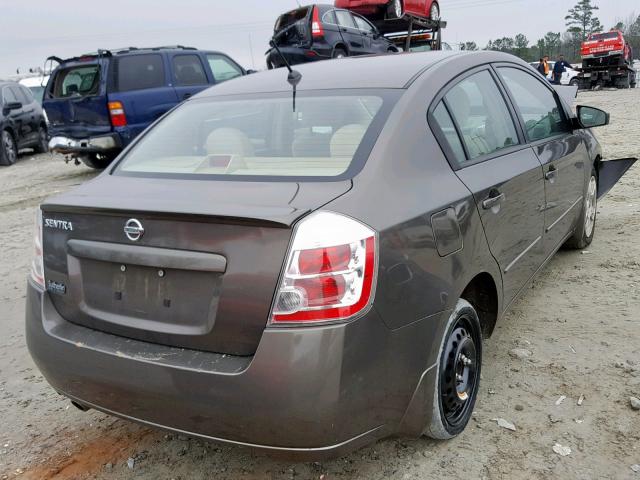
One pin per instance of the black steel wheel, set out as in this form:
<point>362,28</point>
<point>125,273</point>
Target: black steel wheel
<point>458,378</point>
<point>459,372</point>
<point>8,149</point>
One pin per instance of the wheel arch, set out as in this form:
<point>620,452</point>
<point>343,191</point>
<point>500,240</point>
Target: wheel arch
<point>340,46</point>
<point>482,293</point>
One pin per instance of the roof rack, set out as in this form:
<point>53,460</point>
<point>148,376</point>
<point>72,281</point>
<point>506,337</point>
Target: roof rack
<point>119,51</point>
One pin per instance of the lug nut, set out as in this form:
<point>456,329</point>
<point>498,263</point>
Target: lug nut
<point>161,273</point>
<point>123,268</point>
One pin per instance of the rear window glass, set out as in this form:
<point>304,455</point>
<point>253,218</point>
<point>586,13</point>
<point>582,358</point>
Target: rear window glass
<point>291,17</point>
<point>77,82</point>
<point>604,36</point>
<point>263,137</point>
<point>139,72</point>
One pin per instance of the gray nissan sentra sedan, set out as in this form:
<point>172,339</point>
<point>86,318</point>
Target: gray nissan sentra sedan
<point>309,275</point>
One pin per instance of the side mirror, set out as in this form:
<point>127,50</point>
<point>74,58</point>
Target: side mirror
<point>251,71</point>
<point>590,117</point>
<point>12,106</point>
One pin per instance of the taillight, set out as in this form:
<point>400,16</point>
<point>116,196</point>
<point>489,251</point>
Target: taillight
<point>37,265</point>
<point>116,112</point>
<point>317,30</point>
<point>330,271</point>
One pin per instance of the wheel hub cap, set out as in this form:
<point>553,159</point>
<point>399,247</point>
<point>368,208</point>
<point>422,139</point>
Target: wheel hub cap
<point>591,207</point>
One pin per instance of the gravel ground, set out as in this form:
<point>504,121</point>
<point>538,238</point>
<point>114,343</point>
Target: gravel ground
<point>580,321</point>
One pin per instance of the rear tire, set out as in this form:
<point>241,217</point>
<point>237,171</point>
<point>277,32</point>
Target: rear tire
<point>574,82</point>
<point>434,12</point>
<point>43,141</point>
<point>339,53</point>
<point>8,149</point>
<point>583,236</point>
<point>458,374</point>
<point>395,10</point>
<point>99,163</point>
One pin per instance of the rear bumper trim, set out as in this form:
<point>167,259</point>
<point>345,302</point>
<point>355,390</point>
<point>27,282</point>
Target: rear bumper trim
<point>99,144</point>
<point>332,450</point>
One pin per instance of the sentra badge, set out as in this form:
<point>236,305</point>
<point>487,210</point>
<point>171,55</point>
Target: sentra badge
<point>58,224</point>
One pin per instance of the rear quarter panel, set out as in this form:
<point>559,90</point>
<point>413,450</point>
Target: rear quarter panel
<point>406,180</point>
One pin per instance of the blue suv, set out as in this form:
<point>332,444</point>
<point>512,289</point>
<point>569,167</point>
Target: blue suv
<point>98,103</point>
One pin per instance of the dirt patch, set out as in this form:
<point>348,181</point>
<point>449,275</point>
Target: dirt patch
<point>88,459</point>
<point>580,320</point>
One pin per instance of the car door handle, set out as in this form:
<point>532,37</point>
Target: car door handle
<point>551,173</point>
<point>493,200</point>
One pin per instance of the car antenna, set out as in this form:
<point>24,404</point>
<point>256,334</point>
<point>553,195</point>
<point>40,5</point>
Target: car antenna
<point>294,76</point>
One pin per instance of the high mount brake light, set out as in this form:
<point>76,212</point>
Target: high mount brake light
<point>117,114</point>
<point>317,30</point>
<point>330,271</point>
<point>37,265</point>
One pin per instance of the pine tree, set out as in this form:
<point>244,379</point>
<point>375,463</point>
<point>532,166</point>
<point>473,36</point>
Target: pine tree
<point>582,19</point>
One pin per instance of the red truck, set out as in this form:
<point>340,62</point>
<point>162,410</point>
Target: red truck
<point>607,61</point>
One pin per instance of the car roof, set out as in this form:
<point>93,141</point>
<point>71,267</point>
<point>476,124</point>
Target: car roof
<point>34,81</point>
<point>369,71</point>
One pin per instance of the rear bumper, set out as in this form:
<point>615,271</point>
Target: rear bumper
<point>99,144</point>
<point>298,55</point>
<point>310,393</point>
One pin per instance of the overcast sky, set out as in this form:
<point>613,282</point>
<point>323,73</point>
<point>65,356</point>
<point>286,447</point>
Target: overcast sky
<point>30,31</point>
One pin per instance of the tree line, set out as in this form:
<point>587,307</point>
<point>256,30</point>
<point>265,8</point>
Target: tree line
<point>581,21</point>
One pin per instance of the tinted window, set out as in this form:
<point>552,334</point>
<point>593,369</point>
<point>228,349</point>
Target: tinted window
<point>187,70</point>
<point>345,19</point>
<point>543,117</point>
<point>77,82</point>
<point>261,137</point>
<point>482,115</point>
<point>363,24</point>
<point>139,72</point>
<point>223,68</point>
<point>329,17</point>
<point>8,96</point>
<point>448,129</point>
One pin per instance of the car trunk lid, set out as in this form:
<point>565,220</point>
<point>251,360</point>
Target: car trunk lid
<point>76,100</point>
<point>201,276</point>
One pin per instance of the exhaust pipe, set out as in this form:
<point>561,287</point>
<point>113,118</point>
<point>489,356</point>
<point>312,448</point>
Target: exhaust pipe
<point>79,406</point>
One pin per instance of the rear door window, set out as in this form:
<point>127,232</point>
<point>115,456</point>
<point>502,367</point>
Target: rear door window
<point>345,19</point>
<point>542,115</point>
<point>80,81</point>
<point>188,71</point>
<point>139,72</point>
<point>222,68</point>
<point>482,115</point>
<point>445,124</point>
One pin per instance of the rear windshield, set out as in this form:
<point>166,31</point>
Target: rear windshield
<point>291,17</point>
<point>329,136</point>
<point>77,82</point>
<point>604,36</point>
